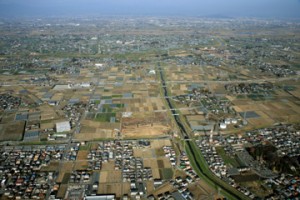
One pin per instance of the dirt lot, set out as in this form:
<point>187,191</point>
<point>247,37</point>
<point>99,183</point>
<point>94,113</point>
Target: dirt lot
<point>145,122</point>
<point>144,153</point>
<point>160,143</point>
<point>143,131</point>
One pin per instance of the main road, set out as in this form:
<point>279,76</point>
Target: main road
<point>227,190</point>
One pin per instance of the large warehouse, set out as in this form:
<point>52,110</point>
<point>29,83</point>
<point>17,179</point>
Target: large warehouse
<point>63,126</point>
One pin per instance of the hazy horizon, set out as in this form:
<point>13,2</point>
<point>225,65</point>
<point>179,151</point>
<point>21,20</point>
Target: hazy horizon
<point>274,9</point>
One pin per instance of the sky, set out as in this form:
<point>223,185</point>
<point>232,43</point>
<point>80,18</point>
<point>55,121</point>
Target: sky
<point>274,9</point>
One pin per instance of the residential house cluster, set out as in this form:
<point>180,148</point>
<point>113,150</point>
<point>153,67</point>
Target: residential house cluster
<point>277,70</point>
<point>181,184</point>
<point>287,187</point>
<point>249,88</point>
<point>9,102</point>
<point>284,137</point>
<point>217,165</point>
<point>121,152</point>
<point>20,171</point>
<point>171,154</point>
<point>214,161</point>
<point>73,112</point>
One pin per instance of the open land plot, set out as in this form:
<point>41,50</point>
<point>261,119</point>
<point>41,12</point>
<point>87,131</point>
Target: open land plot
<point>103,176</point>
<point>217,88</point>
<point>81,165</point>
<point>160,143</point>
<point>66,168</point>
<point>47,112</point>
<point>114,188</point>
<point>296,91</point>
<point>269,112</point>
<point>256,188</point>
<point>155,173</point>
<point>12,131</point>
<point>194,73</point>
<point>178,89</point>
<point>144,153</point>
<point>148,125</point>
<point>108,166</point>
<point>8,117</point>
<point>145,105</point>
<point>145,131</point>
<point>98,134</point>
<point>163,188</point>
<point>92,130</point>
<point>114,177</point>
<point>201,190</point>
<point>108,174</point>
<point>53,166</point>
<point>161,168</point>
<point>166,173</point>
<point>82,155</point>
<point>150,162</point>
<point>47,125</point>
<point>150,186</point>
<point>62,191</point>
<point>165,162</point>
<point>57,96</point>
<point>14,89</point>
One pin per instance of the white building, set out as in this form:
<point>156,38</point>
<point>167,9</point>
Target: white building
<point>99,65</point>
<point>63,126</point>
<point>152,72</point>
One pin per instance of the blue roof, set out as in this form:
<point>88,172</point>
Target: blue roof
<point>112,119</point>
<point>21,117</point>
<point>249,114</point>
<point>31,134</point>
<point>108,101</point>
<point>47,95</point>
<point>95,97</point>
<point>73,100</point>
<point>23,91</point>
<point>127,95</point>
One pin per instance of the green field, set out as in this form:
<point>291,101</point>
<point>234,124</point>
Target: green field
<point>104,117</point>
<point>166,173</point>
